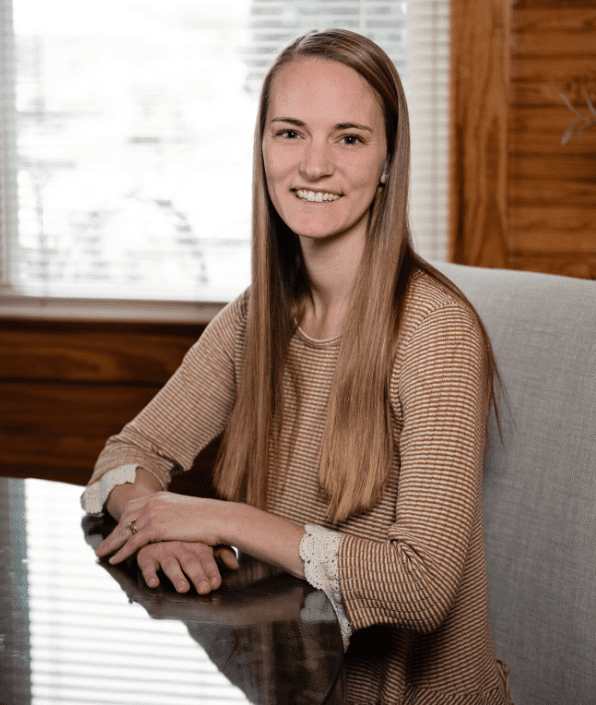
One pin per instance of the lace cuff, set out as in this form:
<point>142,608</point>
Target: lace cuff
<point>318,550</point>
<point>95,496</point>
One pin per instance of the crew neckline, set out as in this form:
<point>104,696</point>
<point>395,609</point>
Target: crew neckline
<point>318,342</point>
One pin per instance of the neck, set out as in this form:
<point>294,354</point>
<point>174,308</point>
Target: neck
<point>331,267</point>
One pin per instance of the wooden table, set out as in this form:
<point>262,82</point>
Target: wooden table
<point>77,630</point>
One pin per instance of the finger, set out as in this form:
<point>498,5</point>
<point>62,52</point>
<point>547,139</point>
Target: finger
<point>119,536</point>
<point>171,567</point>
<point>228,557</point>
<point>112,542</point>
<point>202,570</point>
<point>148,568</point>
<point>130,547</point>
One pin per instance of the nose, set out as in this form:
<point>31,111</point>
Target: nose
<point>316,161</point>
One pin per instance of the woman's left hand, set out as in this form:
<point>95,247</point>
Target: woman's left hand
<point>163,516</point>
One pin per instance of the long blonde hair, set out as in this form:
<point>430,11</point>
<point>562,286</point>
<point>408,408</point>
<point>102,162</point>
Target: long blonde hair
<point>357,450</point>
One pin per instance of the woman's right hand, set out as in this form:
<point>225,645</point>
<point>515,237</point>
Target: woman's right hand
<point>183,562</point>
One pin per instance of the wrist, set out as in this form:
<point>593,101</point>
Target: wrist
<point>227,522</point>
<point>145,484</point>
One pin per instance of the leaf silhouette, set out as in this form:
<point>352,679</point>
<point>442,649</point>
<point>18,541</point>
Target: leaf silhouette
<point>583,125</point>
<point>589,102</point>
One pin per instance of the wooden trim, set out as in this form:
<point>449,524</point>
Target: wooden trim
<point>19,307</point>
<point>480,99</point>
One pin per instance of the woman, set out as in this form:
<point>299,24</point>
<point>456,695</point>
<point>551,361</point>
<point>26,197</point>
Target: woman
<point>352,383</point>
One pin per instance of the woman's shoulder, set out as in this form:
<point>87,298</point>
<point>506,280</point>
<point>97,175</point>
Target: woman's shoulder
<point>234,313</point>
<point>227,328</point>
<point>430,303</point>
<point>438,331</point>
<point>426,293</point>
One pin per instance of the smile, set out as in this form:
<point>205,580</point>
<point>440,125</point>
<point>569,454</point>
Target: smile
<point>316,196</point>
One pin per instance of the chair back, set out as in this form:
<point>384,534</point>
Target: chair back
<point>539,485</point>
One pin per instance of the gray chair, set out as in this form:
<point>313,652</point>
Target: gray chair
<point>540,484</point>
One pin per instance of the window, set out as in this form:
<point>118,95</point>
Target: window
<point>126,136</point>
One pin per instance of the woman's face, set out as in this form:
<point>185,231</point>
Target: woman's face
<point>324,148</point>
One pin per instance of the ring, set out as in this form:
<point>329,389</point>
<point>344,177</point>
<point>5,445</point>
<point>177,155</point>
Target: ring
<point>132,525</point>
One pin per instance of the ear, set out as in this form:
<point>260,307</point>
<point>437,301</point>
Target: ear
<point>383,178</point>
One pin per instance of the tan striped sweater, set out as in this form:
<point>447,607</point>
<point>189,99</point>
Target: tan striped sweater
<point>412,570</point>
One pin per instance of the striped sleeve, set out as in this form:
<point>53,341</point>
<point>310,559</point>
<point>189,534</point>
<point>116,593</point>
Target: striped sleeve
<point>410,578</point>
<point>192,408</point>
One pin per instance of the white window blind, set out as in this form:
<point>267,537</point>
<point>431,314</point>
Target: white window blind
<point>126,136</point>
<point>427,82</point>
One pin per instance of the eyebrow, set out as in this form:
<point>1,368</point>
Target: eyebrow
<point>338,126</point>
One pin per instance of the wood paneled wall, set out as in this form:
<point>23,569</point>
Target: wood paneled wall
<point>66,386</point>
<point>521,199</point>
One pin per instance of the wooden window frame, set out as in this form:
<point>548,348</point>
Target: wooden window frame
<point>480,100</point>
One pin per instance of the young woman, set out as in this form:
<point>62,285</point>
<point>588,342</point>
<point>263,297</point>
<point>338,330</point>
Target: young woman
<point>352,383</point>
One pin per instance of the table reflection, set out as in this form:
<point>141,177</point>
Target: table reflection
<point>76,630</point>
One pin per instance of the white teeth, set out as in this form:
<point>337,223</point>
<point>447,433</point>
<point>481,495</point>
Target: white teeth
<point>317,197</point>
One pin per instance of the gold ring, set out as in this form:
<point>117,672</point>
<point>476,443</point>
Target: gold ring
<point>132,525</point>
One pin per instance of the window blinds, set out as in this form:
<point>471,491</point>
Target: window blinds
<point>427,82</point>
<point>130,140</point>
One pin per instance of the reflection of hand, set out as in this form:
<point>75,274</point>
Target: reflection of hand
<point>260,597</point>
<point>184,561</point>
<point>163,516</point>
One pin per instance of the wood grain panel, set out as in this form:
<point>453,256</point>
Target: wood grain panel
<point>562,70</point>
<point>65,403</point>
<point>66,386</point>
<point>521,5</point>
<point>63,424</point>
<point>530,21</point>
<point>56,431</point>
<point>553,230</point>
<point>548,43</point>
<point>541,191</point>
<point>569,265</point>
<point>542,142</point>
<point>90,355</point>
<point>480,89</point>
<point>549,123</point>
<point>546,93</point>
<point>555,167</point>
<point>543,218</point>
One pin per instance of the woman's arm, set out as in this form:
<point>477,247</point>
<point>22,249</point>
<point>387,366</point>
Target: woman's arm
<point>169,517</point>
<point>265,536</point>
<point>412,576</point>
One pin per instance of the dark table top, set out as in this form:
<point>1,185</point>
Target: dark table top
<point>77,630</point>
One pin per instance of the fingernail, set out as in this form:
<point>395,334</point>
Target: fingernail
<point>213,582</point>
<point>203,586</point>
<point>180,587</point>
<point>152,583</point>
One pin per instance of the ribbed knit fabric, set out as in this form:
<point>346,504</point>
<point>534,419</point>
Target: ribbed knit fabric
<point>412,570</point>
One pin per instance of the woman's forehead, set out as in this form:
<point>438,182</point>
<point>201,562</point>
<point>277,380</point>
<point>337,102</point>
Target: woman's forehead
<point>315,87</point>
